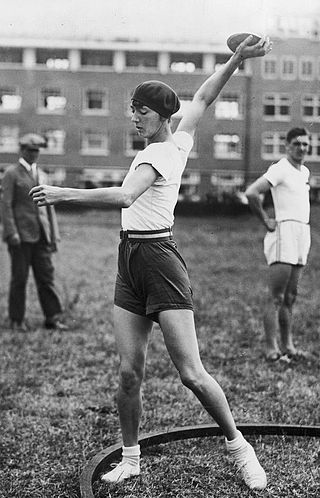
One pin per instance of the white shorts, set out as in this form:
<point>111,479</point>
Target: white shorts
<point>289,243</point>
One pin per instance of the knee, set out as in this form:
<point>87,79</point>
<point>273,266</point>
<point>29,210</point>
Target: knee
<point>277,299</point>
<point>130,379</point>
<point>193,378</point>
<point>290,298</point>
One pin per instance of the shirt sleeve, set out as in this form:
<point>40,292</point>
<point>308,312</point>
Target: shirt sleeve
<point>157,156</point>
<point>7,198</point>
<point>274,174</point>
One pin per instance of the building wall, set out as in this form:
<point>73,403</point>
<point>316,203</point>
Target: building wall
<point>237,119</point>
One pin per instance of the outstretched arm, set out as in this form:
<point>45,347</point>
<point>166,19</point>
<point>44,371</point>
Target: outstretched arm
<point>211,88</point>
<point>119,197</point>
<point>254,192</point>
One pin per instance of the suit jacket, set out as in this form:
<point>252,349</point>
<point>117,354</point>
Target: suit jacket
<point>20,215</point>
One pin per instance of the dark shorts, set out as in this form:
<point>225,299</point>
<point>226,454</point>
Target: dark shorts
<point>152,277</point>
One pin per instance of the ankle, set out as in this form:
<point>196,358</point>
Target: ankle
<point>131,454</point>
<point>237,443</point>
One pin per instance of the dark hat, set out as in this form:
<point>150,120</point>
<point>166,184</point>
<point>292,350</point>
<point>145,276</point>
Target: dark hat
<point>32,141</point>
<point>158,96</point>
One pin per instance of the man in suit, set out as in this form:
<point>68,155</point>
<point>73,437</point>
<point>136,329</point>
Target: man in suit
<point>31,233</point>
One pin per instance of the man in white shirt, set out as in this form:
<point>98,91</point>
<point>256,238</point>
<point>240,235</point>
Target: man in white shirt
<point>287,242</point>
<point>152,282</point>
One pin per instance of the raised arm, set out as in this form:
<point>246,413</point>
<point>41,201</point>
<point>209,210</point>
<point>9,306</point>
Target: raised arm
<point>211,88</point>
<point>255,193</point>
<point>119,197</point>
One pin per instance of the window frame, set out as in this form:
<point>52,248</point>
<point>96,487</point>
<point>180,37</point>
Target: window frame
<point>104,111</point>
<point>15,94</point>
<point>102,151</point>
<point>288,76</point>
<point>232,155</point>
<point>277,105</point>
<point>278,144</point>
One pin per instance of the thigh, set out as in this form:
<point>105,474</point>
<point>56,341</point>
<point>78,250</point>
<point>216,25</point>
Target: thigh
<point>279,278</point>
<point>20,256</point>
<point>179,334</point>
<point>131,334</point>
<point>41,262</point>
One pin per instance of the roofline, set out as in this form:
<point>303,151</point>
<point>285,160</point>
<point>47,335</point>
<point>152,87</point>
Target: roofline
<point>121,44</point>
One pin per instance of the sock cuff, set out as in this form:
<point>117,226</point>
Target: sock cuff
<point>128,451</point>
<point>236,443</point>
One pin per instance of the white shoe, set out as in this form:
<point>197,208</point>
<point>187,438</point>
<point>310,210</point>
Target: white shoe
<point>247,463</point>
<point>124,470</point>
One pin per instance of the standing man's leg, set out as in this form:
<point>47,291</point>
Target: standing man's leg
<point>132,334</point>
<point>180,338</point>
<point>279,277</point>
<point>285,312</point>
<point>20,256</point>
<point>43,271</point>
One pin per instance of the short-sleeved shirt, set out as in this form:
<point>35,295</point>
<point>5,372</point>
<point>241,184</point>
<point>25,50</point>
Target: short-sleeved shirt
<point>290,191</point>
<point>154,209</point>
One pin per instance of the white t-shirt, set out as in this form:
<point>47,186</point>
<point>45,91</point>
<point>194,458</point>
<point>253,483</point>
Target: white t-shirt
<point>154,209</point>
<point>290,191</point>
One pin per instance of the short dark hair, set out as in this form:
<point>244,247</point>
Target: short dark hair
<point>296,132</point>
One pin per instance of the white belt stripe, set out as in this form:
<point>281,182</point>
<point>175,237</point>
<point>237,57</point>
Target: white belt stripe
<point>146,235</point>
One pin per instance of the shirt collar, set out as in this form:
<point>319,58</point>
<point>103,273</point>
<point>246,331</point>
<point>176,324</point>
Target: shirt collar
<point>26,164</point>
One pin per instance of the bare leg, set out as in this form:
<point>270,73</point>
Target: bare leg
<point>285,312</point>
<point>180,338</point>
<point>279,276</point>
<point>132,334</point>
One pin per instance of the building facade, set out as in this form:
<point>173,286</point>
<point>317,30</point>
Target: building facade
<point>77,94</point>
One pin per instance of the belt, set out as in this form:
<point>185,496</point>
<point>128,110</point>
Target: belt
<point>147,235</point>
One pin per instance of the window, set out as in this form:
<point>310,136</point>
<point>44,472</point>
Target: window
<point>141,60</point>
<point>227,146</point>
<point>94,143</point>
<point>10,100</point>
<point>55,141</point>
<point>310,107</point>
<point>306,68</point>
<point>11,55</point>
<point>53,58</point>
<point>288,68</point>
<point>185,63</point>
<point>228,106</point>
<point>273,145</point>
<point>96,58</point>
<point>9,138</point>
<point>134,143</point>
<point>95,101</point>
<point>314,151</point>
<point>269,68</point>
<point>276,106</point>
<point>52,100</point>
<point>226,187</point>
<point>189,188</point>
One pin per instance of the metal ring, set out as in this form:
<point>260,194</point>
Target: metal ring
<point>101,460</point>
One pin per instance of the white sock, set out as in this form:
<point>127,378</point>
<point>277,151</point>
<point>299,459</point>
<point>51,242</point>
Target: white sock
<point>131,454</point>
<point>236,444</point>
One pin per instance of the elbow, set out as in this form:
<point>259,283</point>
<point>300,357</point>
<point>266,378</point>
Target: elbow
<point>127,199</point>
<point>250,194</point>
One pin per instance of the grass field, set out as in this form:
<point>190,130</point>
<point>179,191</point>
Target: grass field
<point>58,390</point>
